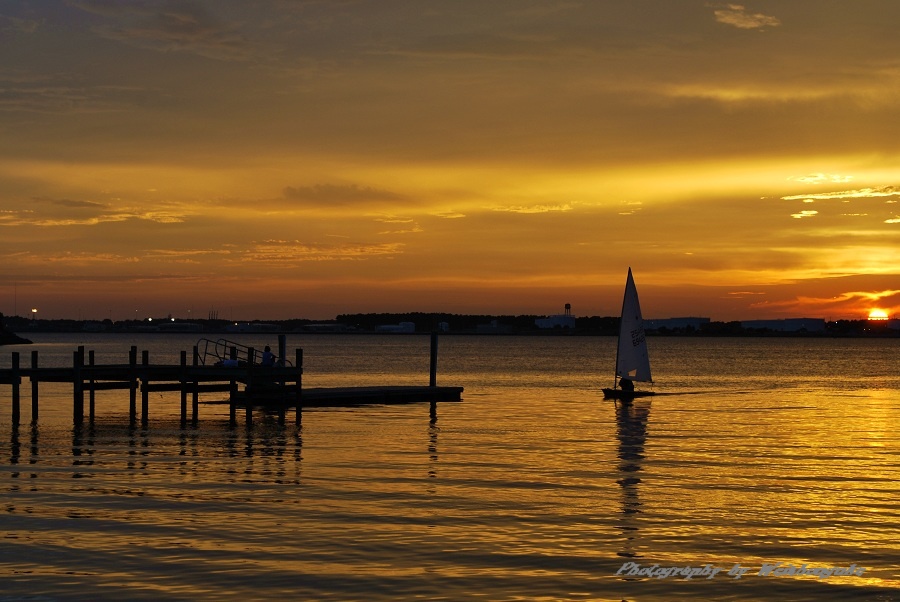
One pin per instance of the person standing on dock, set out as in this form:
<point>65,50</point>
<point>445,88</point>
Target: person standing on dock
<point>268,358</point>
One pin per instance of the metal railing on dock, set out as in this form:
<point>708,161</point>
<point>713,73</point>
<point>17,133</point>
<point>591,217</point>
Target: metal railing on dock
<point>221,350</point>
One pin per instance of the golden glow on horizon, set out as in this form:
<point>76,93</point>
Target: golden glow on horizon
<point>878,314</point>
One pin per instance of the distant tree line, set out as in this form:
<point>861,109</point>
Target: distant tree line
<point>9,338</point>
<point>426,322</point>
<point>521,324</point>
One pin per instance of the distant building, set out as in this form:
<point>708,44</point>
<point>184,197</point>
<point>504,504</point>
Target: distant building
<point>251,327</point>
<point>676,324</point>
<point>171,326</point>
<point>494,327</point>
<point>565,320</point>
<point>401,327</point>
<point>325,327</point>
<point>787,325</point>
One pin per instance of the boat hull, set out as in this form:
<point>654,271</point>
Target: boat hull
<point>625,395</point>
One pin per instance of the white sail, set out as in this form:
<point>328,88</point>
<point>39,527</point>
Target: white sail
<point>632,361</point>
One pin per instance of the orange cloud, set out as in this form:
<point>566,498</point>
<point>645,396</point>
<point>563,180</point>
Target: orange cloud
<point>736,15</point>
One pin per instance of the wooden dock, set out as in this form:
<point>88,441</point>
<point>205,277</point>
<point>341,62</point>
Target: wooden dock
<point>236,371</point>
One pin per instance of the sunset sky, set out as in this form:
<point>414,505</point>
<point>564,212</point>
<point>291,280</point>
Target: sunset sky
<point>292,158</point>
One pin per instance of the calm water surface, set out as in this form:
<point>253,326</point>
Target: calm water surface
<point>533,488</point>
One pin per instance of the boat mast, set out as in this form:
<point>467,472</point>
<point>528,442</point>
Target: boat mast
<point>619,339</point>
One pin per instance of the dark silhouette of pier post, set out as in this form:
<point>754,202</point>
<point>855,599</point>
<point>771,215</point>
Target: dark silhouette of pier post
<point>132,389</point>
<point>232,406</point>
<point>91,390</point>
<point>184,392</point>
<point>34,388</point>
<point>195,389</point>
<point>299,400</point>
<point>16,382</point>
<point>434,350</point>
<point>78,385</point>
<point>145,389</point>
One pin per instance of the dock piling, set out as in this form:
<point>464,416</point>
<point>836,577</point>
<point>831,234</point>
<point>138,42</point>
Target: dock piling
<point>78,385</point>
<point>34,388</point>
<point>132,389</point>
<point>299,400</point>
<point>145,388</point>
<point>232,410</point>
<point>232,405</point>
<point>16,381</point>
<point>91,389</point>
<point>184,386</point>
<point>434,347</point>
<point>195,395</point>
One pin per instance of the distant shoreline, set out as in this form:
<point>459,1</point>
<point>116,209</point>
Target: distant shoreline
<point>9,338</point>
<point>861,332</point>
<point>459,324</point>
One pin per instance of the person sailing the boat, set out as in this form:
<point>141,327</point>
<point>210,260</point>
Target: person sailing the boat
<point>627,385</point>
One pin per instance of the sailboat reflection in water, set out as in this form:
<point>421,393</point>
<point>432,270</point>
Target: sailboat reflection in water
<point>631,432</point>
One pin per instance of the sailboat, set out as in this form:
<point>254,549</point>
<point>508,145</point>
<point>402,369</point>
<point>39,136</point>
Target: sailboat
<point>632,361</point>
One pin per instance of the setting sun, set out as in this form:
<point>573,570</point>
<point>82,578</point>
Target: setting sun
<point>878,314</point>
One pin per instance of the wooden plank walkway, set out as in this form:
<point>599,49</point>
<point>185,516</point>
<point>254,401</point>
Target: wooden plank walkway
<point>354,396</point>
